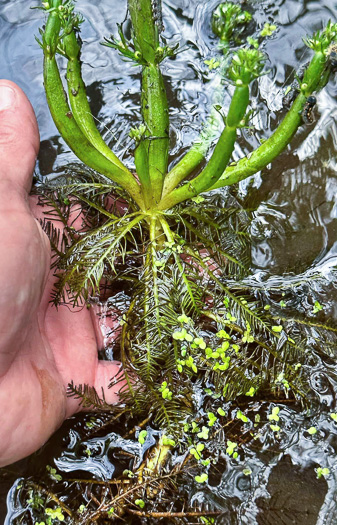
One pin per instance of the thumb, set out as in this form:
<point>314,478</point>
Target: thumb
<point>19,136</point>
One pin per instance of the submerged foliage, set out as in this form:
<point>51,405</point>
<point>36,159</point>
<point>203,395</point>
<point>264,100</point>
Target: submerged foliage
<point>191,323</point>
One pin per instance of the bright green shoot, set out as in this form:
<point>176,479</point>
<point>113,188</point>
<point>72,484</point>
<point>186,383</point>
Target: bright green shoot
<point>152,187</point>
<point>228,21</point>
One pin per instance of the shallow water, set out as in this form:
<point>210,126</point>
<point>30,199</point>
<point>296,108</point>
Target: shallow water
<point>294,234</point>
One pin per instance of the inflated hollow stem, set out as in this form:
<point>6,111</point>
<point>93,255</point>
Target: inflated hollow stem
<point>195,156</point>
<point>281,137</point>
<point>79,102</point>
<point>221,155</point>
<point>191,160</point>
<point>155,142</point>
<point>66,123</point>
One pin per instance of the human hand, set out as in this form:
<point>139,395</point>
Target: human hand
<point>41,348</point>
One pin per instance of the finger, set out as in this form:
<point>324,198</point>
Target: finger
<point>19,136</point>
<point>24,254</point>
<point>73,341</point>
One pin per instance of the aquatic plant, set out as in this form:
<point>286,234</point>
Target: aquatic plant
<point>179,252</point>
<point>191,330</point>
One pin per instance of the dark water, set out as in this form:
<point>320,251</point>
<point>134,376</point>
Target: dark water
<point>294,231</point>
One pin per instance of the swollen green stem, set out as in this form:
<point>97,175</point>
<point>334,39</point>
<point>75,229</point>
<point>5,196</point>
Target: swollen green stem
<point>273,146</point>
<point>52,31</point>
<point>143,172</point>
<point>183,168</point>
<point>154,101</point>
<point>245,66</point>
<point>196,155</point>
<point>221,155</point>
<point>146,31</point>
<point>67,125</point>
<point>75,138</point>
<point>79,102</point>
<point>156,120</point>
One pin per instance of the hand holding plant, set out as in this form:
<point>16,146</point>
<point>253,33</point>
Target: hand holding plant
<point>195,335</point>
<point>41,348</point>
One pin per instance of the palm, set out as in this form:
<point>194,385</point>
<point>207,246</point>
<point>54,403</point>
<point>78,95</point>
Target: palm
<point>41,348</point>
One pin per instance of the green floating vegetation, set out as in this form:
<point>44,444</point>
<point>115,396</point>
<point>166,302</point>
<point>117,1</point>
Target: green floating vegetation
<point>189,325</point>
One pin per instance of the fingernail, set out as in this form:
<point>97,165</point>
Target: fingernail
<point>7,97</point>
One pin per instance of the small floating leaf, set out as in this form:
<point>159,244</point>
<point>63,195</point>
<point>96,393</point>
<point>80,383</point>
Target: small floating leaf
<point>322,472</point>
<point>241,416</point>
<point>274,415</point>
<point>142,436</point>
<point>202,478</point>
<point>251,392</point>
<point>317,307</point>
<point>268,29</point>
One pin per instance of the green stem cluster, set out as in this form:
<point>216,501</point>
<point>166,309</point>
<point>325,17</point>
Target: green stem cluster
<point>154,189</point>
<point>75,123</point>
<point>281,137</point>
<point>220,157</point>
<point>175,266</point>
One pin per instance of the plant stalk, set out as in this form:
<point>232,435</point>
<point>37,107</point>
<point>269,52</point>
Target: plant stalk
<point>220,157</point>
<point>155,141</point>
<point>281,137</point>
<point>79,102</point>
<point>66,123</point>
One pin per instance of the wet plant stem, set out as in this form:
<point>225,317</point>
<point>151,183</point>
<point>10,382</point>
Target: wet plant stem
<point>221,155</point>
<point>273,146</point>
<point>52,497</point>
<point>171,240</point>
<point>152,157</point>
<point>190,514</point>
<point>158,190</point>
<point>153,248</point>
<point>66,123</point>
<point>173,274</point>
<point>147,307</point>
<point>79,103</point>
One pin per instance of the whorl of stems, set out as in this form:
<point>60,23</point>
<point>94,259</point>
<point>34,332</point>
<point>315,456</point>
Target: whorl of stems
<point>75,135</point>
<point>220,157</point>
<point>247,64</point>
<point>75,138</point>
<point>281,137</point>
